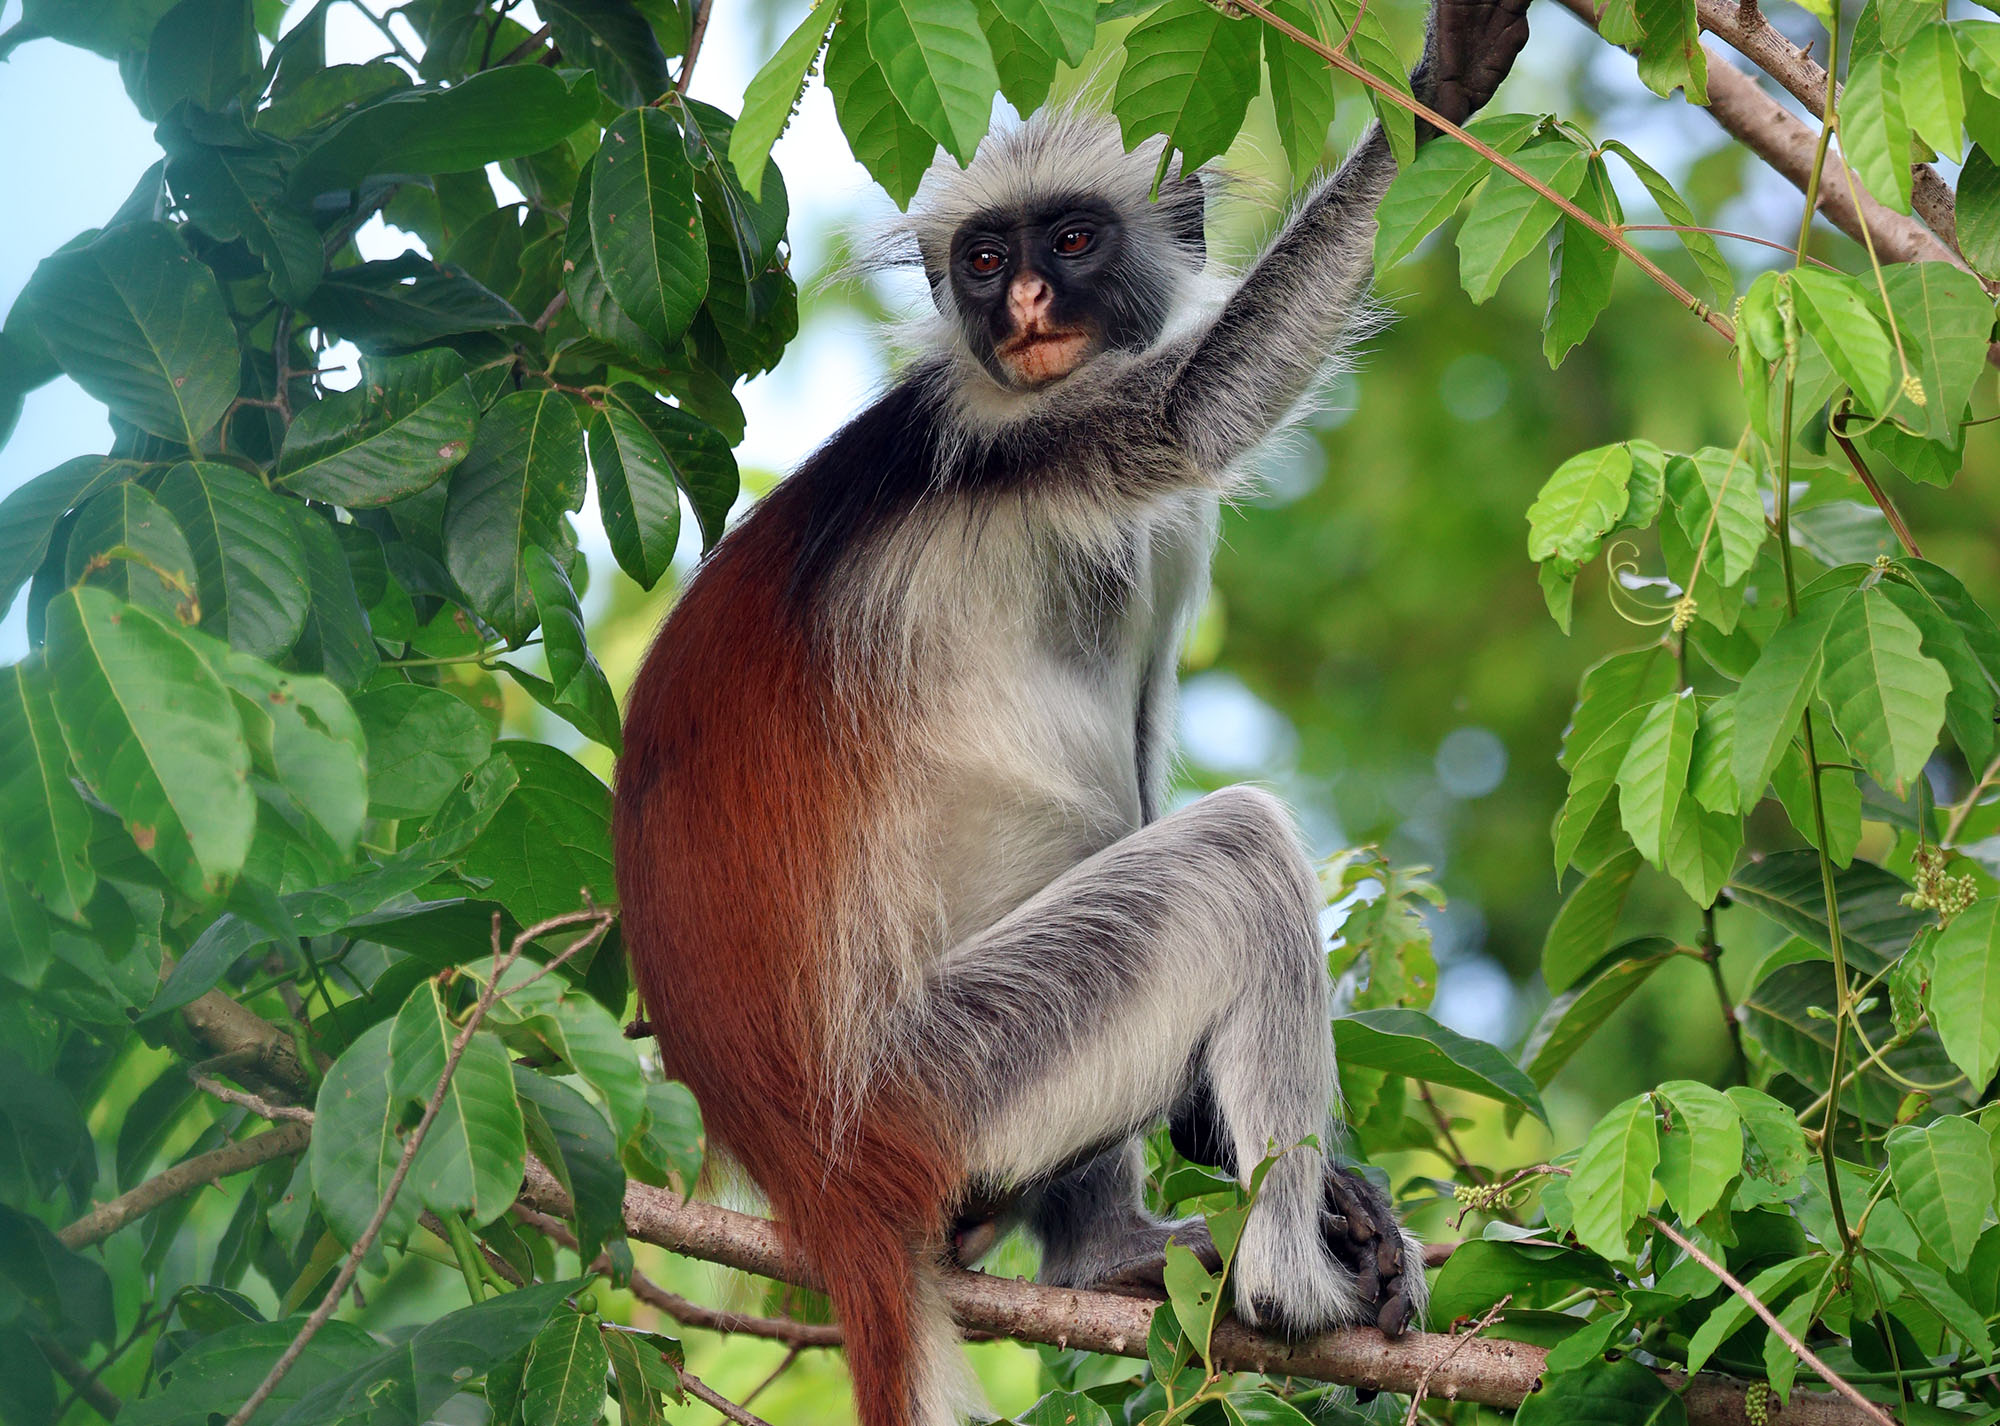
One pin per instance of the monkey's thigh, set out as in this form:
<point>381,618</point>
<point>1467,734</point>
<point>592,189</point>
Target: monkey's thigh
<point>1078,1018</point>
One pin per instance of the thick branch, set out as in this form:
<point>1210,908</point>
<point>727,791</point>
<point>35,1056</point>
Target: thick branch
<point>1764,126</point>
<point>228,1028</point>
<point>1745,30</point>
<point>183,1178</point>
<point>1494,1373</point>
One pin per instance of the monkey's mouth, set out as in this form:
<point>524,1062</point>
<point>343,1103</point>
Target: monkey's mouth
<point>1038,357</point>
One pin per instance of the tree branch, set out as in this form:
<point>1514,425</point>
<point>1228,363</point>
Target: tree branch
<point>1483,1370</point>
<point>1763,125</point>
<point>1744,29</point>
<point>184,1178</point>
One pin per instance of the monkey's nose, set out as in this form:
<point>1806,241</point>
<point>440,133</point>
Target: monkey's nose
<point>1028,299</point>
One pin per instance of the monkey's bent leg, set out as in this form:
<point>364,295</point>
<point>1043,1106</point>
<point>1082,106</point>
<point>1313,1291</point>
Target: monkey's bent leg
<point>1095,1231</point>
<point>1077,1020</point>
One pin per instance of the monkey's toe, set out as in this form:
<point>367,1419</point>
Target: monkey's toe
<point>1362,1234</point>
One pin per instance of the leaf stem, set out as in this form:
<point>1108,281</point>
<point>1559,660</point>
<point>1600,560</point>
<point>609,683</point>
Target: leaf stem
<point>467,1253</point>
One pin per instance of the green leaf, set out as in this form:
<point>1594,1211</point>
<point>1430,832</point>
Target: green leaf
<point>1714,495</point>
<point>1653,778</point>
<point>1943,1174</point>
<point>1933,99</point>
<point>1873,130</point>
<point>1489,1270</point>
<point>106,29</point>
<point>1508,218</point>
<point>143,329</point>
<point>1196,1294</point>
<point>303,735</point>
<point>421,742</point>
<point>1620,1393</point>
<point>1613,1180</point>
<point>551,839</point>
<point>1064,28</point>
<point>582,1150</point>
<point>1945,317</point>
<point>1700,246</point>
<point>589,298</point>
<point>1701,1146</point>
<point>1874,924</point>
<point>1778,1147</point>
<point>1064,1408</point>
<point>1581,267</point>
<point>1590,787</point>
<point>894,148</point>
<point>1768,1287</point>
<point>1190,73</point>
<point>1581,932</point>
<point>644,226</point>
<point>638,1399</point>
<point>1671,55</point>
<point>253,588</point>
<point>1772,698</point>
<point>577,688</point>
<point>154,734</point>
<point>1788,1014</point>
<point>217,1372</point>
<point>1701,848</point>
<point>1965,990</point>
<point>643,448</point>
<point>1372,48</point>
<point>1301,96</point>
<point>231,191</point>
<point>48,826</point>
<point>406,1384</point>
<point>1027,72</point>
<point>1579,503</point>
<point>406,301</point>
<point>1411,1043</point>
<point>337,639</point>
<point>551,1023</point>
<point>1573,1017</point>
<point>202,51</point>
<point>1979,211</point>
<point>1609,689</point>
<point>124,541</point>
<point>938,66</point>
<point>1840,794</point>
<point>773,93</point>
<point>564,1385</point>
<point>409,421</point>
<point>613,38</point>
<point>471,1160</point>
<point>29,514</point>
<point>1429,190</point>
<point>525,470</point>
<point>1833,310</point>
<point>1711,766</point>
<point>355,1144</point>
<point>506,112</point>
<point>1887,696</point>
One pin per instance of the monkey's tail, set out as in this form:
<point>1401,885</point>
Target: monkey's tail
<point>902,1347</point>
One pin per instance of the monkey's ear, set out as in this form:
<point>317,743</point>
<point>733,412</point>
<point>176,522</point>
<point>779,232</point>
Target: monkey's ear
<point>1186,207</point>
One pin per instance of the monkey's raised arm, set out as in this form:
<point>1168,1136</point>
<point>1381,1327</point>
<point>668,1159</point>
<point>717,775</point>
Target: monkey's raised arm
<point>1250,368</point>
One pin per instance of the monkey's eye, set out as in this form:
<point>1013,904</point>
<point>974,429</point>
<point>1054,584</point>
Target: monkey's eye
<point>1074,241</point>
<point>985,260</point>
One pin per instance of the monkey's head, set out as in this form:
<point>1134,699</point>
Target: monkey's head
<point>1050,248</point>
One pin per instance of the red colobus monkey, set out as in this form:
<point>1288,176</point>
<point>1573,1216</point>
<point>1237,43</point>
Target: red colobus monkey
<point>896,886</point>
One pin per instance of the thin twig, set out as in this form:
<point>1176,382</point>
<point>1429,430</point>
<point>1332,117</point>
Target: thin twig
<point>697,32</point>
<point>1881,497</point>
<point>388,34</point>
<point>1778,1329</point>
<point>525,48</point>
<point>1443,1122</point>
<point>687,1312</point>
<point>553,310</point>
<point>256,1103</point>
<point>1459,1339</point>
<point>701,1390</point>
<point>182,1179</point>
<point>83,1382</point>
<point>791,1355</point>
<point>1964,809</point>
<point>599,922</point>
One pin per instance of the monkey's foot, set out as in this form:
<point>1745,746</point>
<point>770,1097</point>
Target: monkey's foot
<point>1362,1234</point>
<point>1471,46</point>
<point>1143,1274</point>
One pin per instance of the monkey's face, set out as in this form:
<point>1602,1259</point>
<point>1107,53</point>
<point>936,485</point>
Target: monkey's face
<point>1041,292</point>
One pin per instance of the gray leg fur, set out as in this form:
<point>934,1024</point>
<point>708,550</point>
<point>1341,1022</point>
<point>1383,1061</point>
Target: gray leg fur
<point>1079,1018</point>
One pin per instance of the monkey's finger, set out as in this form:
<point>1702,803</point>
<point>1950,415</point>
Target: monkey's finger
<point>1394,1317</point>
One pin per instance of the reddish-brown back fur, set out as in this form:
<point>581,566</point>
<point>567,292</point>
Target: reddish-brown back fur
<point>745,780</point>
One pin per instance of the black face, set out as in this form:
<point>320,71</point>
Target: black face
<point>1041,291</point>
